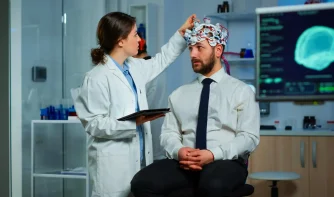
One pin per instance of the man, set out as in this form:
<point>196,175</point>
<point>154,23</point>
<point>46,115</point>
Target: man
<point>142,50</point>
<point>156,98</point>
<point>212,128</point>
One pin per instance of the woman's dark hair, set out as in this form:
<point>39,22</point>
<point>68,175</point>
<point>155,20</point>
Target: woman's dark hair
<point>112,28</point>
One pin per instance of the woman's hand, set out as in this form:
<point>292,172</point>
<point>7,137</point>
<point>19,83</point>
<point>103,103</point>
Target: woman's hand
<point>142,119</point>
<point>189,24</point>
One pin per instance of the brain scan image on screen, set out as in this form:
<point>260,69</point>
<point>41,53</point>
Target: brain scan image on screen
<point>295,53</point>
<point>315,48</point>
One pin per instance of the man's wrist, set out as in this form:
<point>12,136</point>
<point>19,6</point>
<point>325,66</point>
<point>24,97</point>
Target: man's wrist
<point>175,152</point>
<point>217,153</point>
<point>213,156</point>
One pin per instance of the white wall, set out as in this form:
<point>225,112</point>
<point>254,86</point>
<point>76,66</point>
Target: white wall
<point>173,19</point>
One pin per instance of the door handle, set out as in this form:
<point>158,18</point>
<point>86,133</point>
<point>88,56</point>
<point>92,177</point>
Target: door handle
<point>314,154</point>
<point>302,154</point>
<point>64,21</point>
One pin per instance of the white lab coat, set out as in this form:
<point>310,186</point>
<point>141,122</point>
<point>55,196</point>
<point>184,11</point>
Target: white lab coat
<point>157,98</point>
<point>105,96</point>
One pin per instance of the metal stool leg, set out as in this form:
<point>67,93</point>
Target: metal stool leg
<point>274,189</point>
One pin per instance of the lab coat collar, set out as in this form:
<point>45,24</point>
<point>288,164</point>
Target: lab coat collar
<point>123,68</point>
<point>116,71</point>
<point>217,77</point>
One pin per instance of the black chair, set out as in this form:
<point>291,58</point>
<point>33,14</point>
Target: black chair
<point>245,190</point>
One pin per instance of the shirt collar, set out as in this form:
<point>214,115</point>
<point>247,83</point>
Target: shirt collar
<point>123,68</point>
<point>217,76</point>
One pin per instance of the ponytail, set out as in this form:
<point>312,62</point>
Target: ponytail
<point>98,56</point>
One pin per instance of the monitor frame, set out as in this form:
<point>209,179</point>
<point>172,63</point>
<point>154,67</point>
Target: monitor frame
<point>263,112</point>
<point>283,9</point>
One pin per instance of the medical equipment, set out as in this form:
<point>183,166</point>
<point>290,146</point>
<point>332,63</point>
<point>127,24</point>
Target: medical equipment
<point>214,34</point>
<point>295,53</point>
<point>60,111</point>
<point>142,31</point>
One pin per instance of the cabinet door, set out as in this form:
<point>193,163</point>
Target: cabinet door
<point>321,164</point>
<point>281,153</point>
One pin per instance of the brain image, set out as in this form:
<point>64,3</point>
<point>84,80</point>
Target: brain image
<point>315,48</point>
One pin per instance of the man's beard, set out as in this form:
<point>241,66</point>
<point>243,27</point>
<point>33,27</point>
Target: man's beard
<point>204,68</point>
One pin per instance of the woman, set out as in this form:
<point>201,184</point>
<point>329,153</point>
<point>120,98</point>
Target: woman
<point>114,88</point>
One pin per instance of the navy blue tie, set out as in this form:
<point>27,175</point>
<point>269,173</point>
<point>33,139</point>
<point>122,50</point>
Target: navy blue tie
<point>202,120</point>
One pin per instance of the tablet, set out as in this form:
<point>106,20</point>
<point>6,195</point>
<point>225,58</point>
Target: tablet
<point>145,113</point>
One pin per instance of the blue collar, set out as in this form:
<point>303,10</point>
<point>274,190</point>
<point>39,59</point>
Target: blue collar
<point>124,68</point>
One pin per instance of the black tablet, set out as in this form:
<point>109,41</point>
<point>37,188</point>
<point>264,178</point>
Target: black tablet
<point>145,113</point>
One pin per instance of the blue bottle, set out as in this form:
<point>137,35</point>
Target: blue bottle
<point>249,52</point>
<point>142,31</point>
<point>44,113</point>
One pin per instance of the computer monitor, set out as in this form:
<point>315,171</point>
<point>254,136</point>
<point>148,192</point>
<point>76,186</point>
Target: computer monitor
<point>295,53</point>
<point>264,106</point>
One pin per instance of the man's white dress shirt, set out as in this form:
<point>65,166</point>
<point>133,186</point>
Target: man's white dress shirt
<point>233,118</point>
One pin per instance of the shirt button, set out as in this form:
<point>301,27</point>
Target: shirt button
<point>136,160</point>
<point>148,152</point>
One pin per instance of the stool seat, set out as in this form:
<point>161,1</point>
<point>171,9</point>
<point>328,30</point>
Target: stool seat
<point>245,190</point>
<point>275,176</point>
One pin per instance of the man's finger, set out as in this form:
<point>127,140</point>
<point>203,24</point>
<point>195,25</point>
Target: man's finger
<point>194,150</point>
<point>188,163</point>
<point>195,167</point>
<point>184,167</point>
<point>194,154</point>
<point>195,159</point>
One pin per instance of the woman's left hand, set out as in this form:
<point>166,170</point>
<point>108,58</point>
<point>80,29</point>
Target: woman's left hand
<point>142,119</point>
<point>189,24</point>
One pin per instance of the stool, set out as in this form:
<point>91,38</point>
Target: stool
<point>245,190</point>
<point>274,177</point>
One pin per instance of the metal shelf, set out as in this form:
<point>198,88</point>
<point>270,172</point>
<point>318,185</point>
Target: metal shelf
<point>71,121</point>
<point>68,176</point>
<point>231,16</point>
<point>245,61</point>
<point>54,174</point>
